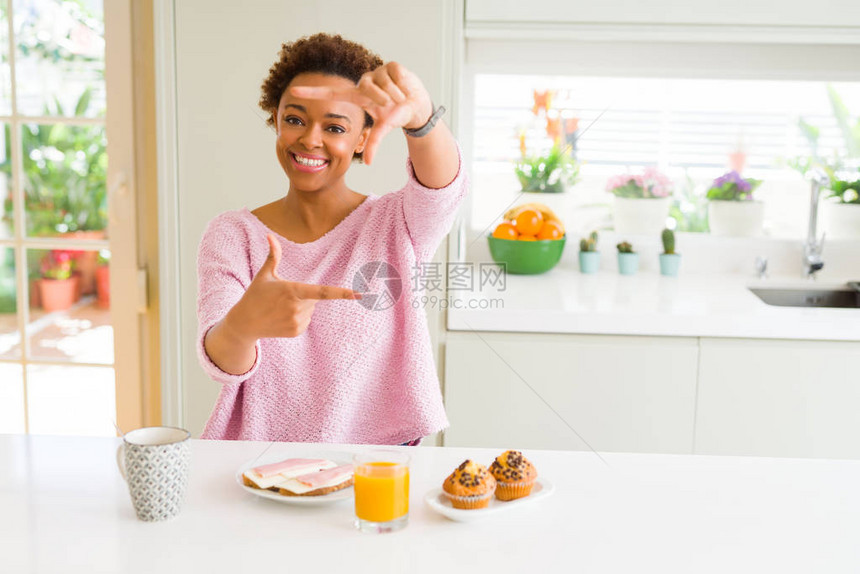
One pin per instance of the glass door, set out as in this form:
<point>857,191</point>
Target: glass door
<point>58,370</point>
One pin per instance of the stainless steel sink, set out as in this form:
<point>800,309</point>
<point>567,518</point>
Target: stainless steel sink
<point>812,297</point>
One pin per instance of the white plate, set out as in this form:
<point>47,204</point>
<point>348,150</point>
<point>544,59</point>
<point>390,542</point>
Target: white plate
<point>335,496</point>
<point>437,500</point>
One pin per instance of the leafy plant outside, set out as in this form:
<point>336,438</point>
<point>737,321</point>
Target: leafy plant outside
<point>841,169</point>
<point>549,173</point>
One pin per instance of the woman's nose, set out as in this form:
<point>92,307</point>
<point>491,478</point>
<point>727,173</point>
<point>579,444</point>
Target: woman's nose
<point>311,137</point>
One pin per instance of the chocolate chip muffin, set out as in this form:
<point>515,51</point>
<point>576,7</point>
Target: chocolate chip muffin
<point>470,486</point>
<point>514,474</point>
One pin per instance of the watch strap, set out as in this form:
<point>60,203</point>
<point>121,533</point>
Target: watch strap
<point>425,129</point>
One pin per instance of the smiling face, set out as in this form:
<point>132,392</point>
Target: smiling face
<point>317,138</point>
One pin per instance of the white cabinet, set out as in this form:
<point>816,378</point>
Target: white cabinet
<point>634,394</point>
<point>759,397</point>
<point>779,398</point>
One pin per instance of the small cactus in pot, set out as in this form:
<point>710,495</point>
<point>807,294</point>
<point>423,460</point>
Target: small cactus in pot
<point>588,244</point>
<point>668,237</point>
<point>669,260</point>
<point>589,256</point>
<point>628,260</point>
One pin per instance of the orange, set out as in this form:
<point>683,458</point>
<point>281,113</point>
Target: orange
<point>550,230</point>
<point>529,222</point>
<point>505,231</point>
<point>527,238</point>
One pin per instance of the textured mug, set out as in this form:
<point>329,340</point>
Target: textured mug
<point>154,462</point>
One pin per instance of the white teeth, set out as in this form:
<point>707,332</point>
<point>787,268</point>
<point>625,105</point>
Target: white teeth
<point>309,162</point>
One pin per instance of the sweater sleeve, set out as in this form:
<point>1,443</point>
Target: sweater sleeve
<point>223,275</point>
<point>430,213</point>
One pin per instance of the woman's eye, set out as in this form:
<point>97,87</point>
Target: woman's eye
<point>337,129</point>
<point>292,120</point>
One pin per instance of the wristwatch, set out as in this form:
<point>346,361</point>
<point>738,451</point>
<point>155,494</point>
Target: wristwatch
<point>425,129</point>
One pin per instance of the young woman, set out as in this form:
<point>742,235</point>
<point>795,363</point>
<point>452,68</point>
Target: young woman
<point>306,313</point>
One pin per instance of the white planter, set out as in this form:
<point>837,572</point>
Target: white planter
<point>840,220</point>
<point>736,218</point>
<point>641,216</point>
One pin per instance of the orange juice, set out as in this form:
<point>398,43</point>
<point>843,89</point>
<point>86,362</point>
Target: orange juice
<point>381,491</point>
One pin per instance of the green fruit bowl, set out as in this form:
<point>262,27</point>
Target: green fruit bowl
<point>526,257</point>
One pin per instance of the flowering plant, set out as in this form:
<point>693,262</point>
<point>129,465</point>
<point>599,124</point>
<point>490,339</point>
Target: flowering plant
<point>650,184</point>
<point>551,171</point>
<point>732,187</point>
<point>57,264</point>
<point>845,186</point>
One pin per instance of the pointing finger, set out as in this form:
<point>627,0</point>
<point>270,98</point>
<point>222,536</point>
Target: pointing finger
<point>305,291</point>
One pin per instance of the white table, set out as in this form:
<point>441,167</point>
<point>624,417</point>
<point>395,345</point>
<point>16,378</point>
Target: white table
<point>65,508</point>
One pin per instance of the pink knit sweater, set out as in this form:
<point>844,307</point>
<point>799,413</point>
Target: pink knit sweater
<point>363,372</point>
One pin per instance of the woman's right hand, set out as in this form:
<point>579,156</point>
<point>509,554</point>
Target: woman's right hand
<point>274,307</point>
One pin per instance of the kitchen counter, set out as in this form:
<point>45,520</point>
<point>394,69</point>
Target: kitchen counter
<point>66,509</point>
<point>566,301</point>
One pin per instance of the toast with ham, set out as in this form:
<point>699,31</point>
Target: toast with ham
<point>270,476</point>
<point>318,483</point>
<point>299,477</point>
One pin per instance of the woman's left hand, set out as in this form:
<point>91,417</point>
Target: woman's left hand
<point>392,95</point>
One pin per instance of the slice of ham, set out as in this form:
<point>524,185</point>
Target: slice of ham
<point>268,470</point>
<point>324,477</point>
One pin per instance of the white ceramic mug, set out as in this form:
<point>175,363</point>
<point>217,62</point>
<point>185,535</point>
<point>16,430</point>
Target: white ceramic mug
<point>154,462</point>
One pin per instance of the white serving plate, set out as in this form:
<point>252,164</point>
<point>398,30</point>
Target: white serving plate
<point>437,500</point>
<point>337,458</point>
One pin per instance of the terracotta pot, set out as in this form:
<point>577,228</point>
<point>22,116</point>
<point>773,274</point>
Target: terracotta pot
<point>76,275</point>
<point>103,286</point>
<point>57,294</point>
<point>87,261</point>
<point>35,294</point>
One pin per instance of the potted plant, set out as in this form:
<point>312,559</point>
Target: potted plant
<point>58,285</point>
<point>547,163</point>
<point>840,211</point>
<point>669,260</point>
<point>63,194</point>
<point>641,201</point>
<point>551,172</point>
<point>628,260</point>
<point>589,256</point>
<point>732,210</point>
<point>841,208</point>
<point>103,279</point>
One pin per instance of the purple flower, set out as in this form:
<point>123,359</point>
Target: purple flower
<point>732,186</point>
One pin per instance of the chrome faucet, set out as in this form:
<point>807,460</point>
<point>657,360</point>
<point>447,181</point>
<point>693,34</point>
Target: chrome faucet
<point>761,267</point>
<point>813,246</point>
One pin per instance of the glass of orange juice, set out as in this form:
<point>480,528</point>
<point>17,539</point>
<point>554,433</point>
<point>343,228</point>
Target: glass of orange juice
<point>381,490</point>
